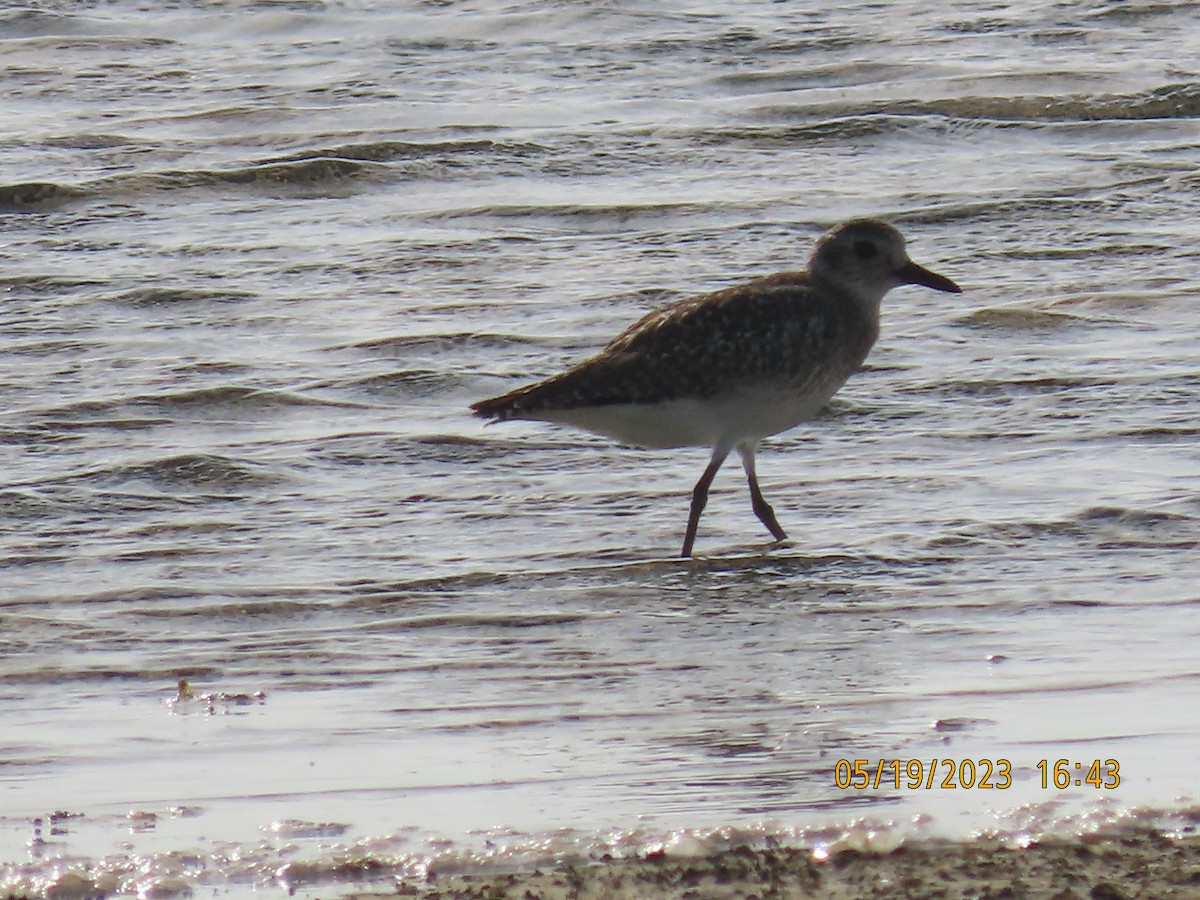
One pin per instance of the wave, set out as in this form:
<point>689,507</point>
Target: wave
<point>22,23</point>
<point>1170,101</point>
<point>386,448</point>
<point>332,171</point>
<point>578,211</point>
<point>31,504</point>
<point>451,342</point>
<point>310,174</point>
<point>1066,202</point>
<point>202,471</point>
<point>1018,318</point>
<point>404,383</point>
<point>145,410</point>
<point>37,195</point>
<point>174,296</point>
<point>226,396</point>
<point>826,130</point>
<point>311,177</point>
<point>110,490</point>
<point>1112,527</point>
<point>50,284</point>
<point>1033,386</point>
<point>389,151</point>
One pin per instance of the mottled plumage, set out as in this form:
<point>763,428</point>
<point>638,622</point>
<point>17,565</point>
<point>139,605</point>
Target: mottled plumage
<point>776,327</point>
<point>727,369</point>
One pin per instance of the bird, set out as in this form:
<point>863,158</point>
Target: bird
<point>725,370</point>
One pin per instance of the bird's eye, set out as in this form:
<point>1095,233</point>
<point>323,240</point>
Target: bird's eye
<point>865,249</point>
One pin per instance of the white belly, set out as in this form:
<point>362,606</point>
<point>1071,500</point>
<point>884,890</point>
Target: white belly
<point>746,415</point>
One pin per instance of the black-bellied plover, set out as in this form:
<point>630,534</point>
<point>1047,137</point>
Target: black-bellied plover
<point>727,369</point>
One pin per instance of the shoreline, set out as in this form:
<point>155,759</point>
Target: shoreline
<point>1138,862</point>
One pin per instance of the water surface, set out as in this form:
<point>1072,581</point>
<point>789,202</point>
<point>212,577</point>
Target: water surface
<point>257,259</point>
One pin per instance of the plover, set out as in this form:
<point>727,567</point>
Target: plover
<point>725,370</point>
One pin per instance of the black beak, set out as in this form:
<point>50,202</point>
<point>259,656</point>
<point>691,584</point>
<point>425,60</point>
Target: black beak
<point>911,273</point>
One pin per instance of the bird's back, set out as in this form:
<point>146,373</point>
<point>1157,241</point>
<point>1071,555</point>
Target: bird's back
<point>783,332</point>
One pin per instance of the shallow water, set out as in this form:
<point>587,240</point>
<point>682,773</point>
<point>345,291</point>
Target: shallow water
<point>258,258</point>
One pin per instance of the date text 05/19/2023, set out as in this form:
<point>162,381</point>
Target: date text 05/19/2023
<point>971,774</point>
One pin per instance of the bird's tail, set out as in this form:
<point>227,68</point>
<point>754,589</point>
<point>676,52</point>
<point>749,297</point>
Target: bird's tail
<point>506,406</point>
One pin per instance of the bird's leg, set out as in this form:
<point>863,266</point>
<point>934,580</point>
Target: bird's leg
<point>762,508</point>
<point>700,497</point>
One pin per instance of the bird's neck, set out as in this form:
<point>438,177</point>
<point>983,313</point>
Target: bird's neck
<point>863,299</point>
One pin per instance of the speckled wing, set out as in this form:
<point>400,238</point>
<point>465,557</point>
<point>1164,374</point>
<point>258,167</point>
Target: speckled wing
<point>782,328</point>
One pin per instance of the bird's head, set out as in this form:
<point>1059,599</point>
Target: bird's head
<point>866,258</point>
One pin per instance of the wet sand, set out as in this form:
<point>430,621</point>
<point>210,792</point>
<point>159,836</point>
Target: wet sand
<point>1137,863</point>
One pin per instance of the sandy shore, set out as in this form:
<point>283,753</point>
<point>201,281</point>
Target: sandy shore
<point>1139,863</point>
